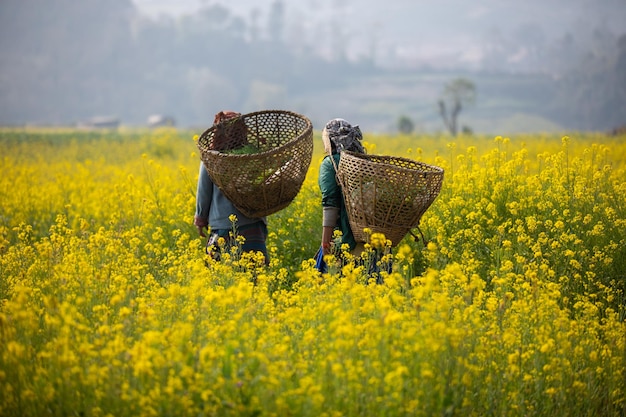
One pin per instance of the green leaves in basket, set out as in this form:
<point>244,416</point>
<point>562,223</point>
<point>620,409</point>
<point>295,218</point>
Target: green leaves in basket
<point>244,150</point>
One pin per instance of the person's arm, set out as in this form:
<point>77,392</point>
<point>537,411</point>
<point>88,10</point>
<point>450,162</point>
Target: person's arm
<point>204,194</point>
<point>327,235</point>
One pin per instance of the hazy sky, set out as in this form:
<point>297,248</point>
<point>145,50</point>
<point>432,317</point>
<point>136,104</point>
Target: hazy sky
<point>506,36</point>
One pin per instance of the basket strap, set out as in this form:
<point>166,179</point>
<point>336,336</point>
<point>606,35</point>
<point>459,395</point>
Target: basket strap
<point>332,161</point>
<point>417,238</point>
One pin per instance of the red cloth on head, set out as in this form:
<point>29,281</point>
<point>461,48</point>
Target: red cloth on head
<point>230,135</point>
<point>225,115</point>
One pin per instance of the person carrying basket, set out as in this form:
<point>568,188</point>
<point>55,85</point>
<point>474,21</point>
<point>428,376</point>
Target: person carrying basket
<point>215,211</point>
<point>338,135</point>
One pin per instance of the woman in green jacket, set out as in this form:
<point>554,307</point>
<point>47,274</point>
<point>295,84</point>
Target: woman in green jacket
<point>338,135</point>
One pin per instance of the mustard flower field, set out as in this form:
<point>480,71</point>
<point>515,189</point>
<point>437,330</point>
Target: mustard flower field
<point>513,305</point>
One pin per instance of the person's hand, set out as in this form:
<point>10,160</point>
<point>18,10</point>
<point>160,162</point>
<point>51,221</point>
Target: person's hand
<point>326,248</point>
<point>200,224</point>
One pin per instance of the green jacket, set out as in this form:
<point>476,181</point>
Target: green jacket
<point>333,197</point>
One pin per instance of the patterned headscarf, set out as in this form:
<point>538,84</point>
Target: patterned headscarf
<point>339,135</point>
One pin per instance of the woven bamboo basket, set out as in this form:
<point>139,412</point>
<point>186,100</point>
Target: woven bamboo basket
<point>266,181</point>
<point>386,194</point>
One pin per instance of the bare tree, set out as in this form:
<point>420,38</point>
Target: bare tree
<point>458,93</point>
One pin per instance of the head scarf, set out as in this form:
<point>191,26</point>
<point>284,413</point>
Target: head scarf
<point>339,135</point>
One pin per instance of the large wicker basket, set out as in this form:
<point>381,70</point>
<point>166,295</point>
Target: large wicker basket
<point>386,194</point>
<point>266,181</point>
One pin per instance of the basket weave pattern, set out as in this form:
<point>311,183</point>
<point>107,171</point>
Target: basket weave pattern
<point>386,194</point>
<point>264,182</point>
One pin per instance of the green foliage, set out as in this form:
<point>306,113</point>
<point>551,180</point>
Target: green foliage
<point>405,125</point>
<point>244,150</point>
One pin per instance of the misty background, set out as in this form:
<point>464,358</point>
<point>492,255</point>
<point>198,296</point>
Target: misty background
<point>538,66</point>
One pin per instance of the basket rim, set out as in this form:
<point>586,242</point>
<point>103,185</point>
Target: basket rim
<point>307,131</point>
<point>368,158</point>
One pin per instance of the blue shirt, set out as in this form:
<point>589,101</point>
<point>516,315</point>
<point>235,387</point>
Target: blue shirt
<point>214,208</point>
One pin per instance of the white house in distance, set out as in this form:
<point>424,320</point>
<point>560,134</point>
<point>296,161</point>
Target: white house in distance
<point>157,120</point>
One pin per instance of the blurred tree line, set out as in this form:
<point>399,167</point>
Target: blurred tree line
<point>68,60</point>
<point>592,94</point>
<point>65,60</point>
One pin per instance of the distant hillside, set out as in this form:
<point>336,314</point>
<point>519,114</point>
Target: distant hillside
<point>482,34</point>
<point>68,62</point>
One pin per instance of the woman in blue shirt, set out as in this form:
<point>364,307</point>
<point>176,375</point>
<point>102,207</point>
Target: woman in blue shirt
<point>214,211</point>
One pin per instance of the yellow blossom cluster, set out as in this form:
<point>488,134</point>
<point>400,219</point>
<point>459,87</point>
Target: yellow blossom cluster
<point>512,306</point>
